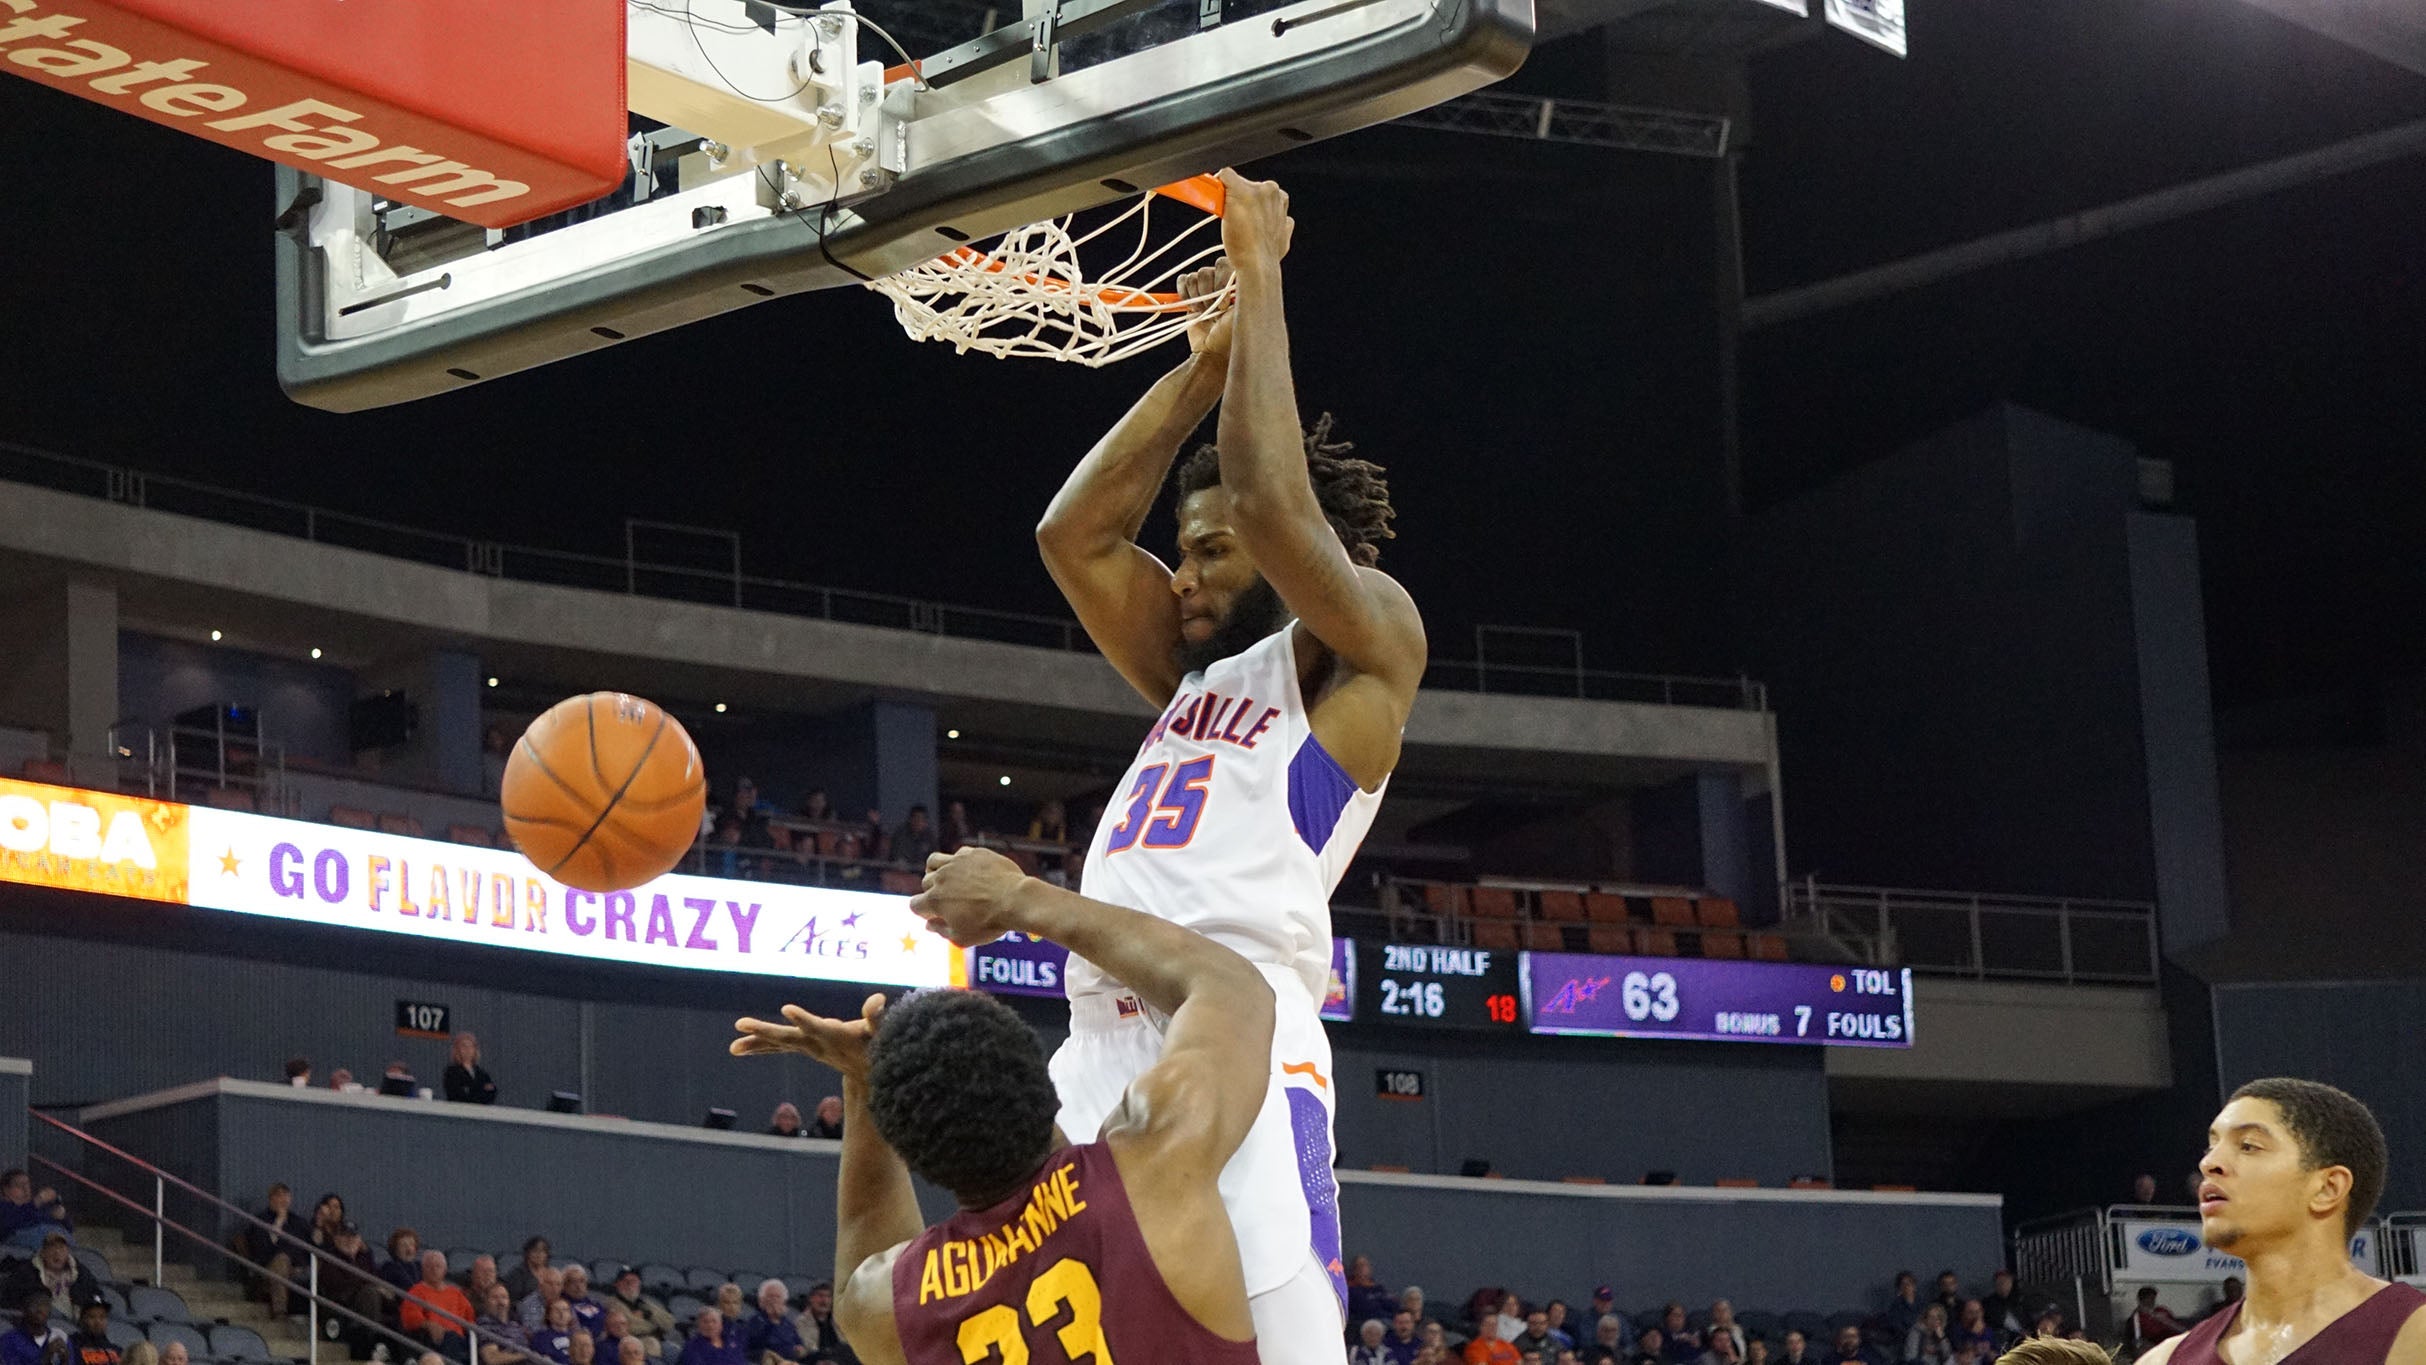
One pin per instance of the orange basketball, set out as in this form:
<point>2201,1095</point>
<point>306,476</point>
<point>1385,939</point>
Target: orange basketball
<point>604,792</point>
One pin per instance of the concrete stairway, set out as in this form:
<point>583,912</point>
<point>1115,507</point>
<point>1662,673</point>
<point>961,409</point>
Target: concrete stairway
<point>211,1301</point>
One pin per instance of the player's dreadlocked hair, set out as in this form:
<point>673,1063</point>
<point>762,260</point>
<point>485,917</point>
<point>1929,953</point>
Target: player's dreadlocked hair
<point>1355,497</point>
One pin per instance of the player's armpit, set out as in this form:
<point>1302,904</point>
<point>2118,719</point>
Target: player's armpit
<point>864,1312</point>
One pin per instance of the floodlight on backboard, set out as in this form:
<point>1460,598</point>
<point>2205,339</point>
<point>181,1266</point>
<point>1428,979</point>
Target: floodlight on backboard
<point>858,175</point>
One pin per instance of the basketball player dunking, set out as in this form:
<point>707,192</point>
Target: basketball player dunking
<point>1116,1250</point>
<point>2292,1169</point>
<point>1285,665</point>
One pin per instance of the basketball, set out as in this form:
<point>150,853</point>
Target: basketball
<point>604,792</point>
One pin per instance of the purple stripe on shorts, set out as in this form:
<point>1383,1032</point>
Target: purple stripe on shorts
<point>1310,1123</point>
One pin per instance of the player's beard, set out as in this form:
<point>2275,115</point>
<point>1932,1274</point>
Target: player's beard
<point>1254,614</point>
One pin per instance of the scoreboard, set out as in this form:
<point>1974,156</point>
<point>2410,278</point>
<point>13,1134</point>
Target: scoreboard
<point>1438,986</point>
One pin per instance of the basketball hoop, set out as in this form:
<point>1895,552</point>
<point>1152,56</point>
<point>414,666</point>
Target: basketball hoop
<point>1033,291</point>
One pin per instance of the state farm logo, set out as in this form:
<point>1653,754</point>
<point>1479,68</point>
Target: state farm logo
<point>2168,1241</point>
<point>71,829</point>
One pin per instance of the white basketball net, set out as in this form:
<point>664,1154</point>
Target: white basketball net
<point>1032,292</point>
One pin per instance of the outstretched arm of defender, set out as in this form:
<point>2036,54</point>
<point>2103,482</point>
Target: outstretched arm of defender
<point>1360,614</point>
<point>1088,537</point>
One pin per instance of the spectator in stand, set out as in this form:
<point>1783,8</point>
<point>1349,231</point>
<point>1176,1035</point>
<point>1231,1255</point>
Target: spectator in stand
<point>619,1330</point>
<point>398,1073</point>
<point>1411,1300</point>
<point>523,1279</point>
<point>1756,1352</point>
<point>1612,1334</point>
<point>278,1248</point>
<point>915,840</point>
<point>582,1349</point>
<point>1720,1351</point>
<point>299,1072</point>
<point>1903,1310</point>
<point>342,1080</point>
<point>1649,1349</point>
<point>819,1330</point>
<point>1968,1354</point>
<point>483,1273</point>
<point>1796,1349</point>
<point>736,1311</point>
<point>769,1337</point>
<point>435,1293</point>
<point>2151,1322</point>
<point>55,1271</point>
<point>786,1122</point>
<point>815,806</point>
<point>1971,1324</point>
<point>2050,1324</point>
<point>1510,1317</point>
<point>553,1339</point>
<point>533,1310</point>
<point>650,1320</point>
<point>1369,1348</point>
<point>1051,825</point>
<point>1604,1303</point>
<point>1722,1323</point>
<point>1535,1336</point>
<point>351,1278</point>
<point>1489,1348</point>
<point>2235,1289</point>
<point>1850,1350</point>
<point>589,1312</point>
<point>1556,1312</point>
<point>32,1338</point>
<point>1949,1294</point>
<point>1367,1299</point>
<point>632,1351</point>
<point>1404,1342</point>
<point>92,1345</point>
<point>828,1123</point>
<point>142,1352</point>
<point>2007,1317</point>
<point>710,1344</point>
<point>467,1081</point>
<point>502,1339</point>
<point>1683,1343</point>
<point>28,1215</point>
<point>1927,1343</point>
<point>402,1268</point>
<point>874,843</point>
<point>1435,1338</point>
<point>2143,1189</point>
<point>327,1216</point>
<point>957,833</point>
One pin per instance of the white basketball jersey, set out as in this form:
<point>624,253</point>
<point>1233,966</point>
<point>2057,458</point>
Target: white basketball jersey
<point>1233,820</point>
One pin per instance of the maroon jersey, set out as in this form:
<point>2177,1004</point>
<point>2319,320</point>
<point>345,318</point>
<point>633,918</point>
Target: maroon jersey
<point>2362,1336</point>
<point>1055,1275</point>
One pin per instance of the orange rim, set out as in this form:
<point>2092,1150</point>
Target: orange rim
<point>1202,192</point>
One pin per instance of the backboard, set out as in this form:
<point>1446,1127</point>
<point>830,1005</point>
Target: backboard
<point>781,150</point>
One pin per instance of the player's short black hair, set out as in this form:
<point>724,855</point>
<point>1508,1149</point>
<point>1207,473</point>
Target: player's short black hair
<point>957,1085</point>
<point>2333,1129</point>
<point>1355,497</point>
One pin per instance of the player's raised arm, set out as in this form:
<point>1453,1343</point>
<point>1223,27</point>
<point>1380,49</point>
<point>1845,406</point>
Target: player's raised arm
<point>1357,612</point>
<point>875,1208</point>
<point>1120,590</point>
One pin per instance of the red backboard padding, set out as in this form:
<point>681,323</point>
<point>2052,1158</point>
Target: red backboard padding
<point>491,111</point>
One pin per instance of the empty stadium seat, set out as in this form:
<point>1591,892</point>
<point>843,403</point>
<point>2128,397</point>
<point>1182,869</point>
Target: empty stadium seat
<point>1655,942</point>
<point>661,1279</point>
<point>1763,1325</point>
<point>799,1286</point>
<point>149,1303</point>
<point>1494,902</point>
<point>685,1308</point>
<point>1770,948</point>
<point>1737,1182</point>
<point>1810,1182</point>
<point>1609,938</point>
<point>110,1296</point>
<point>123,1334</point>
<point>238,1343</point>
<point>1851,1317</point>
<point>49,770</point>
<point>1545,938</point>
<point>700,1279</point>
<point>196,1344</point>
<point>469,834</point>
<point>392,823</point>
<point>1717,912</point>
<point>99,1264</point>
<point>459,1261</point>
<point>1496,934</point>
<point>1811,1325</point>
<point>1722,943</point>
<point>1672,910</point>
<point>1565,907</point>
<point>1602,908</point>
<point>352,817</point>
<point>895,882</point>
<point>228,798</point>
<point>602,1273</point>
<point>1444,900</point>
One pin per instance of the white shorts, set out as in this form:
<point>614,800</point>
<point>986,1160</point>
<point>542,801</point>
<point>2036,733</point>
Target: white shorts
<point>1282,1197</point>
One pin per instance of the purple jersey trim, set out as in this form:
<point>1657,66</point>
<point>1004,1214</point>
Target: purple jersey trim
<point>1319,789</point>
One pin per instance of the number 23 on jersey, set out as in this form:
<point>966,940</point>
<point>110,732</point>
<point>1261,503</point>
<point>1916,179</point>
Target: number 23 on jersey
<point>1164,807</point>
<point>1066,1286</point>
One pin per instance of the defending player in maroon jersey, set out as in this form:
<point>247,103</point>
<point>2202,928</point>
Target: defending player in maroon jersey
<point>1114,1251</point>
<point>2291,1172</point>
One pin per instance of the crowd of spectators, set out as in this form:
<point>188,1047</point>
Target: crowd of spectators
<point>744,835</point>
<point>1951,1325</point>
<point>466,1081</point>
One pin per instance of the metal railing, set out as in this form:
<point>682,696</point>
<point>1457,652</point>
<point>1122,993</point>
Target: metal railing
<point>728,586</point>
<point>1958,933</point>
<point>2404,1258</point>
<point>308,1287</point>
<point>173,762</point>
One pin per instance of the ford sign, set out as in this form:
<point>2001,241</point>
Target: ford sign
<point>2168,1241</point>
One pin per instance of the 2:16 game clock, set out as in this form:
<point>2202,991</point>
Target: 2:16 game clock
<point>1430,985</point>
